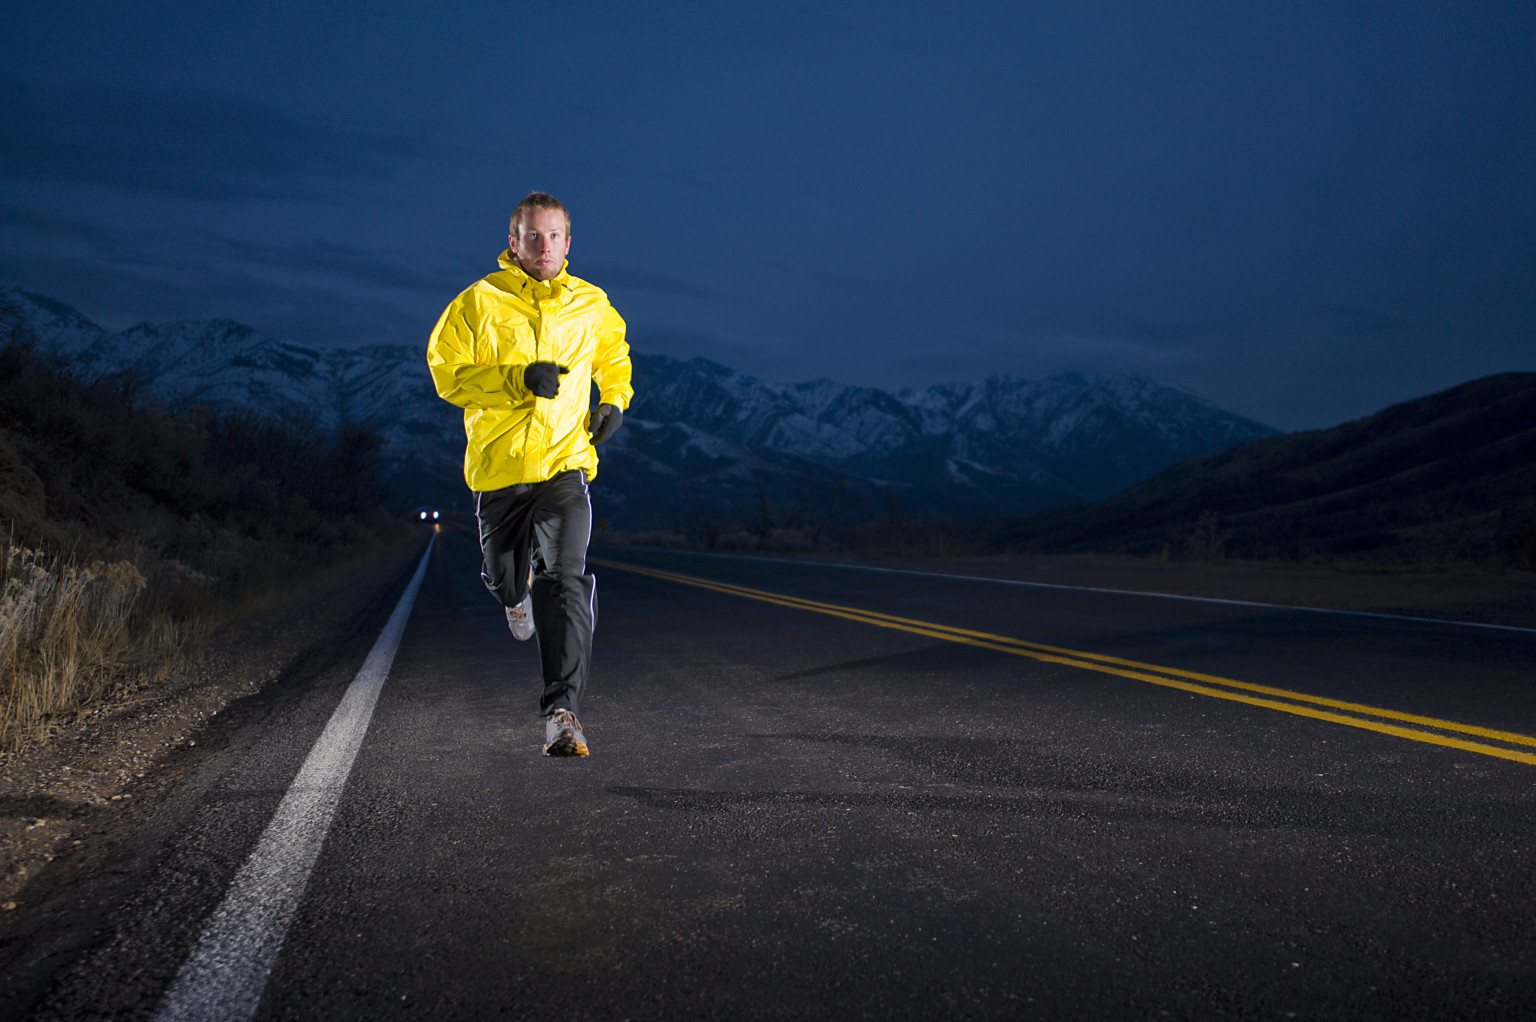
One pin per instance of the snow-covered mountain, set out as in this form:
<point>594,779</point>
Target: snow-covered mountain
<point>221,364</point>
<point>1086,437</point>
<point>701,440</point>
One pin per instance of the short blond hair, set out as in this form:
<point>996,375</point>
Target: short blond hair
<point>538,200</point>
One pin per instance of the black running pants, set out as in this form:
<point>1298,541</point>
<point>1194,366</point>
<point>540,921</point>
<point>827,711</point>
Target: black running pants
<point>546,525</point>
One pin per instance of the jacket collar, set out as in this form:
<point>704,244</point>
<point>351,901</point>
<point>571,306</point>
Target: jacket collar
<point>554,287</point>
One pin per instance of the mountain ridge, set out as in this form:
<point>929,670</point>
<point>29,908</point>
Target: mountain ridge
<point>700,438</point>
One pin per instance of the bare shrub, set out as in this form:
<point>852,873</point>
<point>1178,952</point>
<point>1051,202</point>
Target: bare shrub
<point>1208,540</point>
<point>741,539</point>
<point>657,538</point>
<point>1516,534</point>
<point>789,540</point>
<point>63,628</point>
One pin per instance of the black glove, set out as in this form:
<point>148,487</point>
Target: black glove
<point>604,422</point>
<point>543,378</point>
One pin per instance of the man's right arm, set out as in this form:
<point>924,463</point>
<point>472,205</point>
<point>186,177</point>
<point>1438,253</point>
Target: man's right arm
<point>455,373</point>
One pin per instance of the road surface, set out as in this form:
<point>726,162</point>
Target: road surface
<point>820,792</point>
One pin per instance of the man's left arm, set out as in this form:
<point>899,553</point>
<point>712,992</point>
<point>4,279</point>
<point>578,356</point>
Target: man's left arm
<point>610,364</point>
<point>611,372</point>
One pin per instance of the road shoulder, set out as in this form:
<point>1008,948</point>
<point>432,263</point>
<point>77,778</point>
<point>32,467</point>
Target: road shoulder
<point>69,807</point>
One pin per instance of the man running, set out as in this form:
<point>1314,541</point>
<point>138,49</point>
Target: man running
<point>519,351</point>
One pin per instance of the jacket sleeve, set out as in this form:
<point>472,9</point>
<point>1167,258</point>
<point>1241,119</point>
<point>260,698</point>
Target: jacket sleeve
<point>610,366</point>
<point>458,378</point>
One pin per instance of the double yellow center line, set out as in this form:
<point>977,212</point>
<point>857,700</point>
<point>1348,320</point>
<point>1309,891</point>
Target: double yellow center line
<point>1338,711</point>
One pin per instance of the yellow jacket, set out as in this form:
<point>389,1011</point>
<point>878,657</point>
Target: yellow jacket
<point>486,338</point>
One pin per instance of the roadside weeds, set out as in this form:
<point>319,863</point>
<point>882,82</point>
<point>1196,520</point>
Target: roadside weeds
<point>67,805</point>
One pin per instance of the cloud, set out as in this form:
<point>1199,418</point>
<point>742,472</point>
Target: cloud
<point>348,263</point>
<point>823,276</point>
<point>774,362</point>
<point>303,310</point>
<point>1108,351</point>
<point>48,223</point>
<point>614,276</point>
<point>974,355</point>
<point>202,146</point>
<point>164,251</point>
<point>679,341</point>
<point>1355,321</point>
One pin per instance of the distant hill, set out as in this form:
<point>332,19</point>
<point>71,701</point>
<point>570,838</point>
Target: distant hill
<point>700,440</point>
<point>1448,476</point>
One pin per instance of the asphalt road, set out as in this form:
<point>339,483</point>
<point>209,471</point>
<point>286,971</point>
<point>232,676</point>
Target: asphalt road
<point>991,801</point>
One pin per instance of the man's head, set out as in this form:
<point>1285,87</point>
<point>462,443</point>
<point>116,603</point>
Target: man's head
<point>540,235</point>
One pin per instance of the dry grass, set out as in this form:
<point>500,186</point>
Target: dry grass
<point>73,635</point>
<point>64,633</point>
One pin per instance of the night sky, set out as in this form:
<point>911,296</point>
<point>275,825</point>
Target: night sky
<point>1303,211</point>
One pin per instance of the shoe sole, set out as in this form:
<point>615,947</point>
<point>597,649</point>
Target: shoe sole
<point>567,744</point>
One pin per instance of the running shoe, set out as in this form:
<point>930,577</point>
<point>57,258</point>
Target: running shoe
<point>562,735</point>
<point>520,619</point>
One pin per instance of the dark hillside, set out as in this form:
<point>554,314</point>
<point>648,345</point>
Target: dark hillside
<point>1451,476</point>
<point>129,532</point>
<point>87,464</point>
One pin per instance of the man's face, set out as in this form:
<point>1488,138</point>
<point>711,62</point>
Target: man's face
<point>540,242</point>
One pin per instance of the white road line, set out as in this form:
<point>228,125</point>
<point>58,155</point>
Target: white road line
<point>1116,592</point>
<point>227,971</point>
